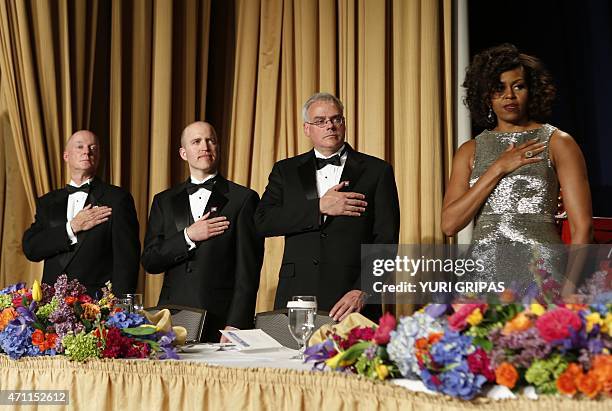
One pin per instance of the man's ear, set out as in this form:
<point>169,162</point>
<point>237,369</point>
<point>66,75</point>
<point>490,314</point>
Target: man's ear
<point>182,153</point>
<point>65,156</point>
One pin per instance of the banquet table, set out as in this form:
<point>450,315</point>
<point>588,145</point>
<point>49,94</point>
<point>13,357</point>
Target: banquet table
<point>231,380</point>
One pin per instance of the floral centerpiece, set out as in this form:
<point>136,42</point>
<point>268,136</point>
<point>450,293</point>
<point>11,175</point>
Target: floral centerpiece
<point>362,351</point>
<point>63,319</point>
<point>463,349</point>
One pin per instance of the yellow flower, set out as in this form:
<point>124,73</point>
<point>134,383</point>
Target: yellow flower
<point>537,309</point>
<point>592,319</point>
<point>475,317</point>
<point>36,291</point>
<point>382,371</point>
<point>334,361</point>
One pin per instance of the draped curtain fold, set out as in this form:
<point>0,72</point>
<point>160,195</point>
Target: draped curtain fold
<point>137,72</point>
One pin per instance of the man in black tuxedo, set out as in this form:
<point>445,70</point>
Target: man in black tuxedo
<point>327,203</point>
<point>201,233</point>
<point>88,229</point>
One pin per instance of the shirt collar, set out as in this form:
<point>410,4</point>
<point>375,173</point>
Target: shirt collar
<point>196,181</point>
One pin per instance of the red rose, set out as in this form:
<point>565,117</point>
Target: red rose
<point>556,324</point>
<point>84,298</point>
<point>386,324</point>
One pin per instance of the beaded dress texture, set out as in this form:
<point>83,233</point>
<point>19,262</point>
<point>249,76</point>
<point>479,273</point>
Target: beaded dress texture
<point>515,232</point>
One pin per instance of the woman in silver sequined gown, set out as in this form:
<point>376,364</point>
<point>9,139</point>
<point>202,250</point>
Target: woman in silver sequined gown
<point>508,177</point>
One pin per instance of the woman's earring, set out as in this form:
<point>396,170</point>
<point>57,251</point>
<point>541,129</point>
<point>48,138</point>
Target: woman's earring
<point>490,118</point>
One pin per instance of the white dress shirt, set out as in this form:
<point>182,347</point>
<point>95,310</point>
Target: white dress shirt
<point>329,176</point>
<point>197,204</point>
<point>76,202</point>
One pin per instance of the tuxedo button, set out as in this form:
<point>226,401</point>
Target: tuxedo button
<point>315,261</point>
<point>323,235</point>
<point>189,269</point>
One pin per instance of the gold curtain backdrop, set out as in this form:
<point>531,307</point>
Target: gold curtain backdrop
<point>137,72</point>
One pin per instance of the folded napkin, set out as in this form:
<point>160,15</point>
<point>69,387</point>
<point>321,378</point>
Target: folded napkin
<point>163,322</point>
<point>342,328</point>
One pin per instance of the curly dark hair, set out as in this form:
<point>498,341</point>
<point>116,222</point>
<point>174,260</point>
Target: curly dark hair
<point>483,76</point>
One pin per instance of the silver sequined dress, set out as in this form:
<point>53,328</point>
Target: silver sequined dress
<point>515,226</point>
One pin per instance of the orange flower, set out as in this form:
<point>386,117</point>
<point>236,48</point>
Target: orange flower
<point>520,322</point>
<point>38,339</point>
<point>507,296</point>
<point>70,300</point>
<point>601,368</point>
<point>506,375</point>
<point>588,384</point>
<point>50,341</point>
<point>90,311</point>
<point>6,316</point>
<point>434,337</point>
<point>566,382</point>
<point>573,369</point>
<point>420,344</point>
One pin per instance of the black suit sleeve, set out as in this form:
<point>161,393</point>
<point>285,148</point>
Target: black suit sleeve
<point>386,212</point>
<point>126,246</point>
<point>162,252</point>
<point>42,241</point>
<point>249,257</point>
<point>386,224</point>
<point>276,215</point>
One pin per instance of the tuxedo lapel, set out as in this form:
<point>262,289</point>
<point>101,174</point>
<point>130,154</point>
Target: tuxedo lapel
<point>353,168</point>
<point>181,210</point>
<point>217,197</point>
<point>308,176</point>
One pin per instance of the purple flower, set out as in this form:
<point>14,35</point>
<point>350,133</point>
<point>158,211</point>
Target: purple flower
<point>436,310</point>
<point>318,353</point>
<point>165,344</point>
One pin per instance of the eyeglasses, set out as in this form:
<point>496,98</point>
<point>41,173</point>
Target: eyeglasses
<point>322,121</point>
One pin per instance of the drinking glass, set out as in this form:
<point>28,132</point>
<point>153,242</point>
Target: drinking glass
<point>302,311</point>
<point>131,303</point>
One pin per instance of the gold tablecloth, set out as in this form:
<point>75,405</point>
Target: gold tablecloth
<point>181,385</point>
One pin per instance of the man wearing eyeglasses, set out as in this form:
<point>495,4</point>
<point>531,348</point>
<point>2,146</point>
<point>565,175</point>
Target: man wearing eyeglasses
<point>87,229</point>
<point>326,203</point>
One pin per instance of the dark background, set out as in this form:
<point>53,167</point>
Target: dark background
<point>574,40</point>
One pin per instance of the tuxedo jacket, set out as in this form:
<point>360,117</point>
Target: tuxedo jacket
<point>222,273</point>
<point>107,252</point>
<point>322,258</point>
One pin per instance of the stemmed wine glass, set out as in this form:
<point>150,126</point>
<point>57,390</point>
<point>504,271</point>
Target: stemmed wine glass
<point>302,311</point>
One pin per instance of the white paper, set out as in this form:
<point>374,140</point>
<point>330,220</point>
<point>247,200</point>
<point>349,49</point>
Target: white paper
<point>251,340</point>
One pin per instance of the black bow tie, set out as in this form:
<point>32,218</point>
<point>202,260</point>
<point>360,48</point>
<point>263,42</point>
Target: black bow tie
<point>208,184</point>
<point>72,189</point>
<point>333,160</point>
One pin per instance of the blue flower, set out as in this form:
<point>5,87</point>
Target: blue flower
<point>460,382</point>
<point>121,319</point>
<point>12,288</point>
<point>17,341</point>
<point>452,348</point>
<point>401,346</point>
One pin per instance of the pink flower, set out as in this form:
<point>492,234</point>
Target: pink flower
<point>457,321</point>
<point>555,325</point>
<point>479,363</point>
<point>386,324</point>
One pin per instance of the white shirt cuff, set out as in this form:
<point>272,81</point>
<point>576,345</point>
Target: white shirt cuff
<point>190,243</point>
<point>71,235</point>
